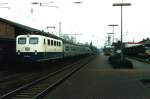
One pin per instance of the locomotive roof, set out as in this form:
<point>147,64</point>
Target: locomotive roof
<point>45,34</point>
<point>55,37</point>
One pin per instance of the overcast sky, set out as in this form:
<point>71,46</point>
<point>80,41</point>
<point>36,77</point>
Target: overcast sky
<point>89,19</point>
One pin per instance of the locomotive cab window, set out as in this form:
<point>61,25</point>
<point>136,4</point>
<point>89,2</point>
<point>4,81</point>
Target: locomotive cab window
<point>33,40</point>
<point>22,41</point>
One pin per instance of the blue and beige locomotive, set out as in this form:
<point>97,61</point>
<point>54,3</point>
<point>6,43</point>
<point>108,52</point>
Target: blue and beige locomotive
<point>33,48</point>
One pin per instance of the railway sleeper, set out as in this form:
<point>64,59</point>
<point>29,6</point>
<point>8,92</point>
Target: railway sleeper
<point>37,88</point>
<point>20,98</point>
<point>31,90</point>
<point>28,93</point>
<point>43,85</point>
<point>27,96</point>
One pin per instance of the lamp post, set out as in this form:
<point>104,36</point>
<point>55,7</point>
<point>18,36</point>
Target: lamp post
<point>110,36</point>
<point>121,5</point>
<point>1,5</point>
<point>113,25</point>
<point>47,4</point>
<point>44,4</point>
<point>78,2</point>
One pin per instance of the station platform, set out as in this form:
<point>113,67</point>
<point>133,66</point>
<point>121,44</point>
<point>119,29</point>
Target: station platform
<point>98,80</point>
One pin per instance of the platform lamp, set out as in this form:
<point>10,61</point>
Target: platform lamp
<point>2,5</point>
<point>121,5</point>
<point>113,25</point>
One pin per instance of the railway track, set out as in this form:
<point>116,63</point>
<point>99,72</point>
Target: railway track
<point>38,88</point>
<point>12,79</point>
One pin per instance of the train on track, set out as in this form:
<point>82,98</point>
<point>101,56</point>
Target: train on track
<point>37,48</point>
<point>140,49</point>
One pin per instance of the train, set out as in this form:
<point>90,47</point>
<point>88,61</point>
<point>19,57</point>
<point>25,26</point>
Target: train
<point>139,49</point>
<point>38,48</point>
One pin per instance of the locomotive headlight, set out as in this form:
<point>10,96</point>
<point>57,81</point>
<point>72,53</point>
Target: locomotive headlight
<point>35,52</point>
<point>18,52</point>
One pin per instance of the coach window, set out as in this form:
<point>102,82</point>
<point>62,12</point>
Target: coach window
<point>22,41</point>
<point>33,40</point>
<point>67,48</point>
<point>52,42</point>
<point>48,41</point>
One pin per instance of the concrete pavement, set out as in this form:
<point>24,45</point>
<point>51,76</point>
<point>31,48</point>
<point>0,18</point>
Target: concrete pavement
<point>98,80</point>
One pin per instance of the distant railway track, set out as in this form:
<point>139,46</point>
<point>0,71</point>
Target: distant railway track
<point>140,59</point>
<point>40,87</point>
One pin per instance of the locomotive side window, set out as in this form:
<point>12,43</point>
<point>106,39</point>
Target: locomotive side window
<point>22,41</point>
<point>52,43</point>
<point>48,41</point>
<point>57,43</point>
<point>44,41</point>
<point>33,40</point>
